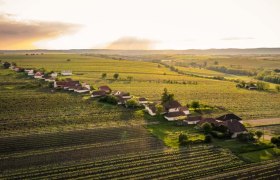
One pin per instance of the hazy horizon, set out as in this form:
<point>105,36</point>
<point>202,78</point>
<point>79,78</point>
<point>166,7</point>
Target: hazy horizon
<point>139,25</point>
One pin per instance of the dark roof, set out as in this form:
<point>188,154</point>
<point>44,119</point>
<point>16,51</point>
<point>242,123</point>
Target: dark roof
<point>175,114</point>
<point>234,126</point>
<point>152,107</point>
<point>183,108</point>
<point>98,93</point>
<point>68,83</point>
<point>142,99</point>
<point>195,118</point>
<point>229,117</point>
<point>172,104</point>
<point>209,120</point>
<point>104,88</point>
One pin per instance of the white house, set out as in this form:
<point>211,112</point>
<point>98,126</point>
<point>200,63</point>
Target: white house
<point>38,75</point>
<point>142,100</point>
<point>151,109</point>
<point>173,116</point>
<point>66,73</point>
<point>30,72</point>
<point>54,75</point>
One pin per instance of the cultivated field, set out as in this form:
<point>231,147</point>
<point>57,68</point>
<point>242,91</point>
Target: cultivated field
<point>61,135</point>
<point>149,80</point>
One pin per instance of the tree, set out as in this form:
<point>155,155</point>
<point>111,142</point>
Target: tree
<point>207,127</point>
<point>116,76</point>
<point>68,60</point>
<point>104,75</point>
<point>277,88</point>
<point>259,134</point>
<point>159,109</point>
<point>262,86</point>
<point>6,65</point>
<point>276,141</point>
<point>183,139</point>
<point>216,63</point>
<point>131,103</point>
<point>166,96</point>
<point>208,139</point>
<point>195,104</point>
<point>14,64</point>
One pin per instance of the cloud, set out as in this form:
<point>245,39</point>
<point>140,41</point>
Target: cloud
<point>22,34</point>
<point>131,43</point>
<point>237,38</point>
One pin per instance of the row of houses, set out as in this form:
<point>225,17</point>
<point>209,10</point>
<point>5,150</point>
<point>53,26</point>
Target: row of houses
<point>231,121</point>
<point>122,97</point>
<point>171,110</point>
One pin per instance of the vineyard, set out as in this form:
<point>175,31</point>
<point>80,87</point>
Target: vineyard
<point>149,80</point>
<point>194,163</point>
<point>60,135</point>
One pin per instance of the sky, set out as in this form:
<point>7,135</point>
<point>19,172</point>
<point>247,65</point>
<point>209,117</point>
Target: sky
<point>139,24</point>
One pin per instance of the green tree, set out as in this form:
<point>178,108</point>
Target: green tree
<point>131,103</point>
<point>208,139</point>
<point>116,76</point>
<point>159,109</point>
<point>166,96</point>
<point>104,75</point>
<point>207,127</point>
<point>262,86</point>
<point>195,104</point>
<point>259,134</point>
<point>276,141</point>
<point>183,139</point>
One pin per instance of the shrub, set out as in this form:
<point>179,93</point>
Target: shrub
<point>131,103</point>
<point>183,139</point>
<point>109,99</point>
<point>208,139</point>
<point>195,104</point>
<point>259,134</point>
<point>276,141</point>
<point>218,134</point>
<point>246,137</point>
<point>207,127</point>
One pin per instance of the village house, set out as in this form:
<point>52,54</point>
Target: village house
<point>174,116</point>
<point>234,127</point>
<point>230,116</point>
<point>30,72</point>
<point>193,120</point>
<point>106,89</point>
<point>38,75</point>
<point>66,73</point>
<point>98,93</point>
<point>124,95</point>
<point>69,83</point>
<point>230,121</point>
<point>54,75</point>
<point>142,100</point>
<point>151,109</point>
<point>81,89</point>
<point>175,111</point>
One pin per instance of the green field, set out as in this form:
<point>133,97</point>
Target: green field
<point>63,135</point>
<point>149,80</point>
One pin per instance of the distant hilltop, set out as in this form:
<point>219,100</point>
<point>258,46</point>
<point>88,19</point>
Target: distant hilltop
<point>231,51</point>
